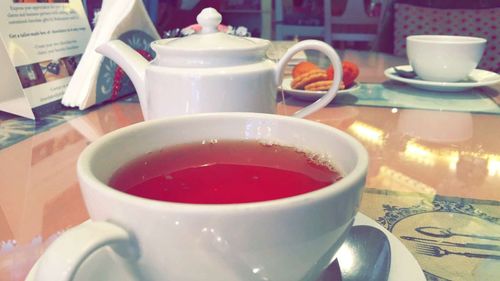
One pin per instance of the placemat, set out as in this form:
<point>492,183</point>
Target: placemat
<point>452,238</point>
<point>398,95</point>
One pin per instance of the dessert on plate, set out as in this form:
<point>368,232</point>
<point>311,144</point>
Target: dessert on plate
<point>310,77</point>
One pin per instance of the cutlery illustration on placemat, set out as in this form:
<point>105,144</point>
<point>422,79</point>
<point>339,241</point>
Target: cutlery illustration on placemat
<point>436,251</point>
<point>436,248</point>
<point>447,233</point>
<point>453,244</point>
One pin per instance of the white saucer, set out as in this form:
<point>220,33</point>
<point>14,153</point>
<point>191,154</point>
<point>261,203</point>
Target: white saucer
<point>311,95</point>
<point>477,78</point>
<point>105,265</point>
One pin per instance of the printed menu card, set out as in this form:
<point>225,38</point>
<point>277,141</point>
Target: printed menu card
<point>41,43</point>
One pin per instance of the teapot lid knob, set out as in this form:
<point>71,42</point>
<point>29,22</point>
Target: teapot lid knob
<point>209,19</point>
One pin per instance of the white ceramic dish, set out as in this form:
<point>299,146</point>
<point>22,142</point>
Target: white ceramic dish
<point>477,78</point>
<point>311,95</point>
<point>211,71</point>
<point>105,265</point>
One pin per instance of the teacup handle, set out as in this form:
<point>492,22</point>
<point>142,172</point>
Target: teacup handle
<point>337,65</point>
<point>64,256</point>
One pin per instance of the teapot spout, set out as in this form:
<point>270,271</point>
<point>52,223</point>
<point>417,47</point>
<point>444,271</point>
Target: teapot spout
<point>132,63</point>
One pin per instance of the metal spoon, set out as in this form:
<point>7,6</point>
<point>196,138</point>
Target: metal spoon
<point>365,255</point>
<point>405,73</point>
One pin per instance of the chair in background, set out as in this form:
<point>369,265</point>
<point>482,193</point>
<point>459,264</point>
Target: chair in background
<point>353,25</point>
<point>284,29</point>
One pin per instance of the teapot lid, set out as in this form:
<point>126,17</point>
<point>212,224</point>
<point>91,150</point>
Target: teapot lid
<point>209,41</point>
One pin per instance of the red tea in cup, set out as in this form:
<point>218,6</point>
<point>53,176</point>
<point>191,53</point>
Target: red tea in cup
<point>224,172</point>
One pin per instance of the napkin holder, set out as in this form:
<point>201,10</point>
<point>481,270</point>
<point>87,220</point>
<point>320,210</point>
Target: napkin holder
<point>98,79</point>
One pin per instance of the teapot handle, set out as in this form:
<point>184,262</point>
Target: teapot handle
<point>337,65</point>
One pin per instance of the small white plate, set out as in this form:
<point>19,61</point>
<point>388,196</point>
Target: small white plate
<point>477,78</point>
<point>105,265</point>
<point>311,95</point>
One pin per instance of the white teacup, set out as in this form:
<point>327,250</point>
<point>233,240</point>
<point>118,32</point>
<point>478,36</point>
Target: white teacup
<point>288,239</point>
<point>444,58</point>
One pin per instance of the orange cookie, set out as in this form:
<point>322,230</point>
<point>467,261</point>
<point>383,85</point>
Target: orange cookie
<point>322,86</point>
<point>314,75</point>
<point>303,67</point>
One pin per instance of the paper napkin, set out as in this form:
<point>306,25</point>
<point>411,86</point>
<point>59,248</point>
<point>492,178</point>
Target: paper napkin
<point>95,79</point>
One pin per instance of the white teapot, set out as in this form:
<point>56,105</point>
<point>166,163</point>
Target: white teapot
<point>212,71</point>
